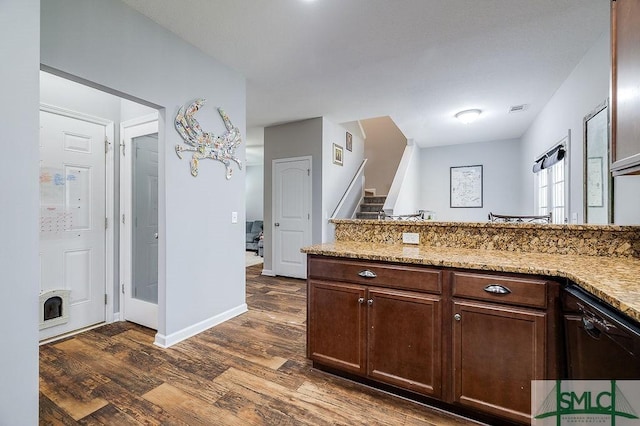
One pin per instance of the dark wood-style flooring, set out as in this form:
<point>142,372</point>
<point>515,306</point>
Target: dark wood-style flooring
<point>251,370</point>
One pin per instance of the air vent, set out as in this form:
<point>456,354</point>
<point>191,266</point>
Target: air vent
<point>518,108</point>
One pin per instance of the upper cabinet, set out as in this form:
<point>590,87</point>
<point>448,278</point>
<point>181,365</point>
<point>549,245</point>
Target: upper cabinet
<point>625,87</point>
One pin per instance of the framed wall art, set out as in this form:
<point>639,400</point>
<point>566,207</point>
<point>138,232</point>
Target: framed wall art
<point>338,155</point>
<point>466,186</point>
<point>349,142</point>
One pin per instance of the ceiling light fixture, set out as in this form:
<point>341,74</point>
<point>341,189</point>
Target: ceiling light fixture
<point>468,116</point>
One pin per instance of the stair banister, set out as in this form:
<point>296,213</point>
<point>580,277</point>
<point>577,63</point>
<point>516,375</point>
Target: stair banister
<point>356,177</point>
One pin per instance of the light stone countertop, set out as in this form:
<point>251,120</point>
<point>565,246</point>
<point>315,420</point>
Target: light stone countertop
<point>615,280</point>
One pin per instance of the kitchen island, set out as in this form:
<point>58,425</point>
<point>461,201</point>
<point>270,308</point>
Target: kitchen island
<point>469,316</point>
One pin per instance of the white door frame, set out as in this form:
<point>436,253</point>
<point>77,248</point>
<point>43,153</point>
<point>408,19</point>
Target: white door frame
<point>309,230</point>
<point>126,191</point>
<point>109,195</point>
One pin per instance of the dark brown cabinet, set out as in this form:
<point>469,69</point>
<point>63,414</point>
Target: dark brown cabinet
<point>386,334</point>
<point>473,340</point>
<point>501,341</point>
<point>404,340</point>
<point>497,351</point>
<point>336,326</point>
<point>625,87</point>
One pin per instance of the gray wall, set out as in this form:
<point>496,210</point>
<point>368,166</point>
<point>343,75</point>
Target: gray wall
<point>108,44</point>
<point>255,192</point>
<point>298,139</point>
<point>19,215</point>
<point>501,183</point>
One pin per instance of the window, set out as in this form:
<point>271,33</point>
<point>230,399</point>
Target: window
<point>551,183</point>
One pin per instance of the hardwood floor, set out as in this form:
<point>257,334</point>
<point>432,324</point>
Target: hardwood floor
<point>250,370</point>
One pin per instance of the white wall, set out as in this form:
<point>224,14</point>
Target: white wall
<point>407,200</point>
<point>585,88</point>
<point>19,215</point>
<point>501,182</point>
<point>626,196</point>
<point>335,178</point>
<point>254,193</point>
<point>201,280</point>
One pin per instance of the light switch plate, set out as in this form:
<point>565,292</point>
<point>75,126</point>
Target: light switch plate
<point>234,217</point>
<point>410,238</point>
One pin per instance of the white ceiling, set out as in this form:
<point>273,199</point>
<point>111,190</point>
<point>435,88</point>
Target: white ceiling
<point>418,61</point>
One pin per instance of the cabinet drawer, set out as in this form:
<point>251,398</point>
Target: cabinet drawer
<point>369,273</point>
<point>500,289</point>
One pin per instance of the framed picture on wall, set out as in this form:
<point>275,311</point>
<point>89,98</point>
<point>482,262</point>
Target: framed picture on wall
<point>338,155</point>
<point>595,182</point>
<point>466,187</point>
<point>349,142</point>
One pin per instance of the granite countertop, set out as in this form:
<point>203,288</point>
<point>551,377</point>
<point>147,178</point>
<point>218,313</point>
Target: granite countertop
<point>613,279</point>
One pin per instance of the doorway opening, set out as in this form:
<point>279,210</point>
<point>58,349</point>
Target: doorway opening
<point>139,220</point>
<point>81,240</point>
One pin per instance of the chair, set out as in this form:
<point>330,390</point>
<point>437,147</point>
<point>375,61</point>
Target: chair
<point>519,219</point>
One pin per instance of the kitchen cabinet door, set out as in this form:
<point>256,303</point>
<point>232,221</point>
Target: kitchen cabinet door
<point>405,340</point>
<point>625,93</point>
<point>337,325</point>
<point>497,351</point>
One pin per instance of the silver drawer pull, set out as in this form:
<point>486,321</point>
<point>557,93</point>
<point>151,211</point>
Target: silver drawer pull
<point>497,289</point>
<point>367,274</point>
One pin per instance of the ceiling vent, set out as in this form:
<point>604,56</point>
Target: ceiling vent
<point>518,108</point>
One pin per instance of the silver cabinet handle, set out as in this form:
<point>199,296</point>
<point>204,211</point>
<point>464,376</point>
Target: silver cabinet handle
<point>367,274</point>
<point>590,329</point>
<point>155,235</point>
<point>361,300</point>
<point>457,317</point>
<point>497,289</point>
<point>370,302</point>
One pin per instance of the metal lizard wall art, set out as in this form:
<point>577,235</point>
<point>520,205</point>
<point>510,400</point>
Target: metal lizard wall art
<point>206,144</point>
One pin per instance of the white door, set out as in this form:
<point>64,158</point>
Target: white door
<point>139,239</point>
<point>72,217</point>
<point>291,216</point>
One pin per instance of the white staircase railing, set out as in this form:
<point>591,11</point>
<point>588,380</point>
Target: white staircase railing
<point>352,197</point>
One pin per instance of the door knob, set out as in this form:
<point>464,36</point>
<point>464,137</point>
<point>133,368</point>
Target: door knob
<point>155,235</point>
<point>276,224</point>
<point>370,302</point>
<point>457,317</point>
<point>361,300</point>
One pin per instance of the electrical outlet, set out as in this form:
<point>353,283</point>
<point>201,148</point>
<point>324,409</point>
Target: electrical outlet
<point>410,238</point>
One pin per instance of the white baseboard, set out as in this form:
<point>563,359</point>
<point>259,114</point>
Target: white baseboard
<point>268,272</point>
<point>173,338</point>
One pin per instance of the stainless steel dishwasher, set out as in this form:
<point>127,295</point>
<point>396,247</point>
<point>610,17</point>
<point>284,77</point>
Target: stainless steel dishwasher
<point>600,342</point>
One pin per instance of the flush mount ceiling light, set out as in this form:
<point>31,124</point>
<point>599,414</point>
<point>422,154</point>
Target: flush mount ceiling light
<point>468,116</point>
